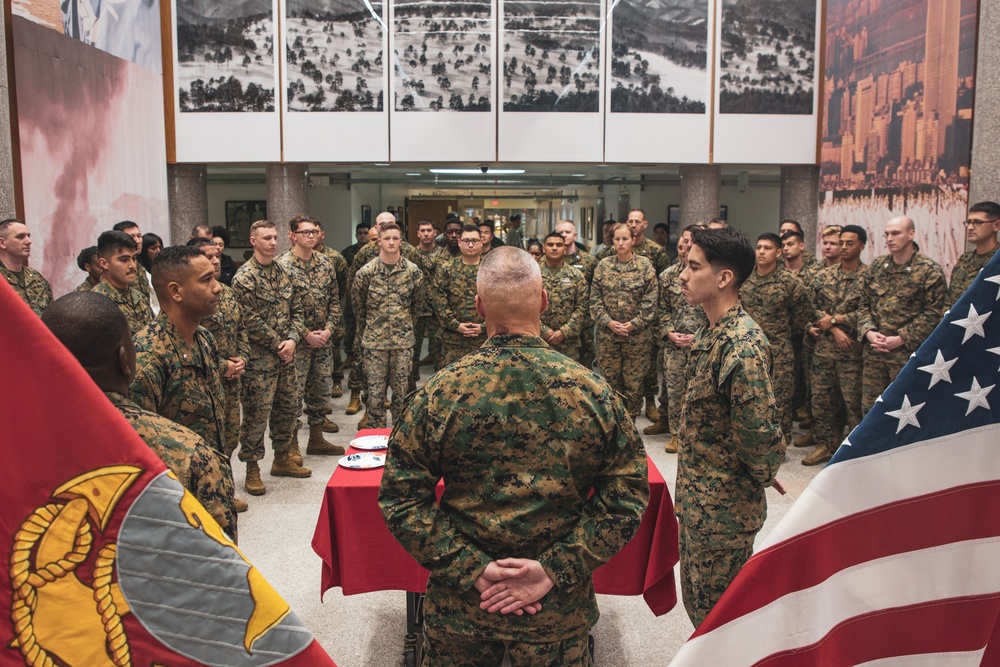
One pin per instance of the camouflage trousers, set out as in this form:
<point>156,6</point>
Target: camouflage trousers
<point>588,350</point>
<point>651,383</point>
<point>836,398</point>
<point>427,327</point>
<point>444,649</point>
<point>675,360</point>
<point>314,368</point>
<point>803,347</point>
<point>783,383</point>
<point>454,346</point>
<point>356,380</point>
<point>879,372</point>
<point>386,368</point>
<point>338,360</point>
<point>271,397</point>
<point>709,563</point>
<point>231,416</point>
<point>624,362</point>
<point>350,326</point>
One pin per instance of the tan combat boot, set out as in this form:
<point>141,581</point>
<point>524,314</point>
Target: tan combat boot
<point>240,506</point>
<point>354,406</point>
<point>365,422</point>
<point>320,446</point>
<point>284,466</point>
<point>253,484</point>
<point>328,427</point>
<point>805,440</point>
<point>652,412</point>
<point>819,455</point>
<point>658,428</point>
<point>295,453</point>
<point>338,389</point>
<point>671,447</point>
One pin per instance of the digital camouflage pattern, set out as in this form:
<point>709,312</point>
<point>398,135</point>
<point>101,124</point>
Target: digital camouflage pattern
<point>370,251</point>
<point>730,448</point>
<point>569,306</point>
<point>197,467</point>
<point>343,269</point>
<point>349,253</point>
<point>426,325</point>
<point>966,269</point>
<point>232,342</point>
<point>132,302</point>
<point>781,305</point>
<point>453,297</point>
<point>677,316</point>
<point>386,300</point>
<point>625,292</point>
<point>907,300</point>
<point>520,435</point>
<point>802,344</point>
<point>31,286</point>
<point>646,248</point>
<point>443,649</point>
<point>85,286</point>
<point>585,263</point>
<point>142,280</point>
<point>386,369</point>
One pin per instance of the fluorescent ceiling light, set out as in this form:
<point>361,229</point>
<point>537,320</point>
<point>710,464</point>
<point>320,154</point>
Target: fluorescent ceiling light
<point>381,164</point>
<point>578,175</point>
<point>414,174</point>
<point>477,171</point>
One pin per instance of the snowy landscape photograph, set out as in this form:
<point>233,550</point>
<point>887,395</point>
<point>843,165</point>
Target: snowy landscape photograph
<point>333,55</point>
<point>225,55</point>
<point>443,55</point>
<point>767,56</point>
<point>659,61</point>
<point>552,56</point>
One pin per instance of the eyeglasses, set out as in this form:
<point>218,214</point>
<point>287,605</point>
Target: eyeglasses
<point>308,232</point>
<point>470,241</point>
<point>978,223</point>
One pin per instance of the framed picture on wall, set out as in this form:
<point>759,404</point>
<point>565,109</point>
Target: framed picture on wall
<point>239,216</point>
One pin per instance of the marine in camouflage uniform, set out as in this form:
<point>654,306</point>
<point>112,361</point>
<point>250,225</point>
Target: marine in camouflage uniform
<point>426,324</point>
<point>625,292</point>
<point>966,269</point>
<point>731,446</point>
<point>836,373</point>
<point>232,342</point>
<point>906,300</point>
<point>453,298</point>
<point>85,286</point>
<point>30,285</point>
<point>514,486</point>
<point>133,303</point>
<point>676,316</point>
<point>585,263</point>
<point>342,268</point>
<point>569,306</point>
<point>386,300</point>
<point>142,280</point>
<point>318,291</point>
<point>272,313</point>
<point>802,346</point>
<point>197,467</point>
<point>781,305</point>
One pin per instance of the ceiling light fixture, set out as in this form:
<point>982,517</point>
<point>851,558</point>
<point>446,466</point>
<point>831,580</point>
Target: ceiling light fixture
<point>477,171</point>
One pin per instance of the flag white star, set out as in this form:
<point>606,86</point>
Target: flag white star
<point>996,351</point>
<point>976,396</point>
<point>995,279</point>
<point>907,414</point>
<point>846,443</point>
<point>939,369</point>
<point>973,324</point>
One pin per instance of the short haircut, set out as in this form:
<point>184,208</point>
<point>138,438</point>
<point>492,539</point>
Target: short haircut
<point>554,235</point>
<point>425,221</point>
<point>90,326</point>
<point>388,227</point>
<point>198,243</point>
<point>86,256</point>
<point>717,221</point>
<point>505,271</point>
<point>609,221</point>
<point>455,221</point>
<point>218,231</point>
<point>691,228</point>
<point>362,225</point>
<point>294,223</point>
<point>990,208</point>
<point>858,230</point>
<point>261,224</point>
<point>123,225</point>
<point>5,225</point>
<point>789,234</point>
<point>661,225</point>
<point>832,229</point>
<point>452,217</point>
<point>485,223</point>
<point>109,242</point>
<point>772,237</point>
<point>201,228</point>
<point>566,222</point>
<point>644,217</point>
<point>791,221</point>
<point>172,264</point>
<point>727,248</point>
<point>470,228</point>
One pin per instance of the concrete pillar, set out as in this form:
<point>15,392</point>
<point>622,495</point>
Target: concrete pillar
<point>699,192</point>
<point>800,199</point>
<point>287,197</point>
<point>8,186</point>
<point>984,181</point>
<point>187,193</point>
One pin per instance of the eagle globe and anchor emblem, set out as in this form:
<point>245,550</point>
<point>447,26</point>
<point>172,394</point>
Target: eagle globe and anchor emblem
<point>171,567</point>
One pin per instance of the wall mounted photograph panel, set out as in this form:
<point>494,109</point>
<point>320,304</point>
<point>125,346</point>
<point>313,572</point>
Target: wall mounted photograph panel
<point>225,76</point>
<point>443,85</point>
<point>766,81</point>
<point>550,81</point>
<point>659,81</point>
<point>335,81</point>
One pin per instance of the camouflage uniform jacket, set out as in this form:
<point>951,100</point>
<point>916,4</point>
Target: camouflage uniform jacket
<point>227,328</point>
<point>647,249</point>
<point>340,267</point>
<point>731,443</point>
<point>428,264</point>
<point>142,280</point>
<point>676,314</point>
<point>569,300</point>
<point>272,310</point>
<point>781,305</point>
<point>624,292</point>
<point>837,292</point>
<point>386,299</point>
<point>85,286</point>
<point>180,381</point>
<point>132,302</point>
<point>583,262</point>
<point>315,281</point>
<point>370,251</point>
<point>808,260</point>
<point>520,434</point>
<point>196,466</point>
<point>349,253</point>
<point>454,294</point>
<point>907,300</point>
<point>966,269</point>
<point>29,284</point>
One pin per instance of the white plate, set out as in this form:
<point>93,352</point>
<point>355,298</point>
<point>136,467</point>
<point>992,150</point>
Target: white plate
<point>371,442</point>
<point>364,461</point>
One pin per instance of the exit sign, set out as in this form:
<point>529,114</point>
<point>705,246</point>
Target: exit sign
<point>496,202</point>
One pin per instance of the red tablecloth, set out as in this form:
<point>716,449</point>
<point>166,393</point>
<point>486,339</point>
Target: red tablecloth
<point>360,554</point>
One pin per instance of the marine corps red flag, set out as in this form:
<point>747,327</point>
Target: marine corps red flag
<point>107,560</point>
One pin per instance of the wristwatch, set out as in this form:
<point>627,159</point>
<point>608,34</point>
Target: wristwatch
<point>833,320</point>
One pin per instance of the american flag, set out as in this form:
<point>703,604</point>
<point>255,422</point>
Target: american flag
<point>892,554</point>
